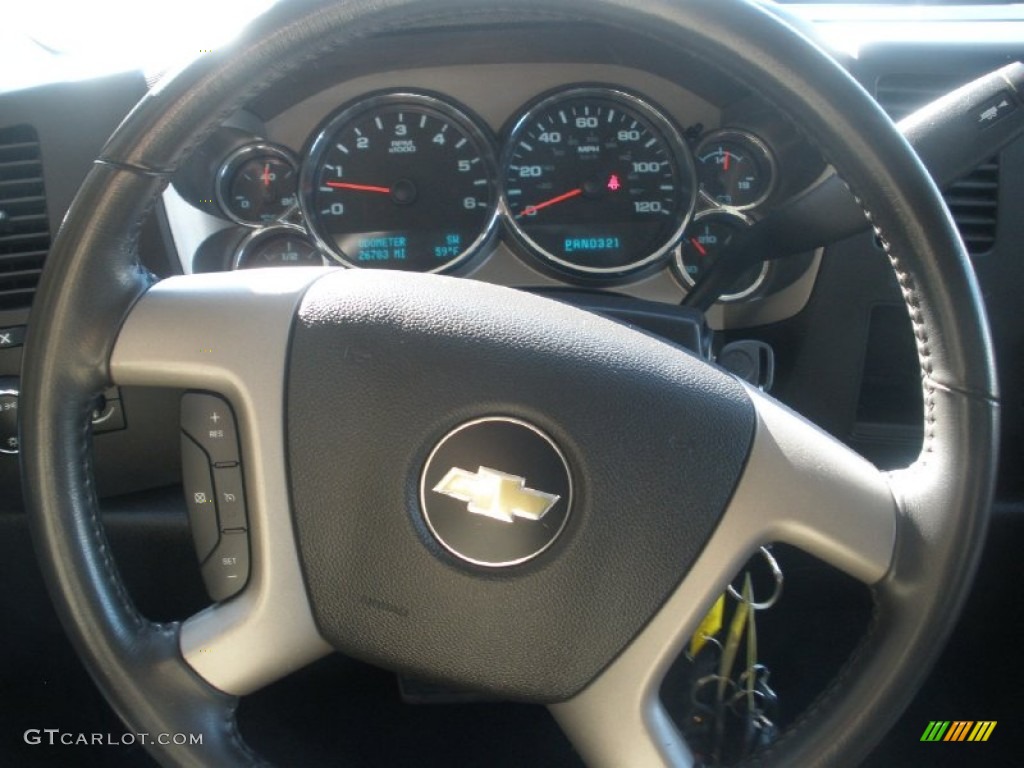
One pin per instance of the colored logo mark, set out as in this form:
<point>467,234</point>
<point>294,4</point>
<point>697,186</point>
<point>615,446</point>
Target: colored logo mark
<point>958,730</point>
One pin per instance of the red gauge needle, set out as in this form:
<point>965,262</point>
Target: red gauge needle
<point>725,164</point>
<point>530,209</point>
<point>358,187</point>
<point>266,175</point>
<point>700,248</point>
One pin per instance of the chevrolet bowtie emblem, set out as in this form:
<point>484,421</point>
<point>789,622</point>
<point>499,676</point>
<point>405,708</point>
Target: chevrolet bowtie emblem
<point>496,494</point>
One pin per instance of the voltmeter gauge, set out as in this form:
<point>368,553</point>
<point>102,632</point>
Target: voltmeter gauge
<point>400,181</point>
<point>258,184</point>
<point>705,239</point>
<point>736,169</point>
<point>596,182</point>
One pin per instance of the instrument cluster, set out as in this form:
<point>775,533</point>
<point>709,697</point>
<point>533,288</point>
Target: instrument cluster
<point>588,183</point>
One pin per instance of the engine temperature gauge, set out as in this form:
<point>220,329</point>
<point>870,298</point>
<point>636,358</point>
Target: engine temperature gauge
<point>705,239</point>
<point>736,169</point>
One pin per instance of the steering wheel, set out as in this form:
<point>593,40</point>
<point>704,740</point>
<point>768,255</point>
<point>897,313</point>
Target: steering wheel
<point>672,472</point>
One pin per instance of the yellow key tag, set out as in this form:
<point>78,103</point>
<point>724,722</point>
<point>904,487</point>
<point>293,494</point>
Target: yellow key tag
<point>709,626</point>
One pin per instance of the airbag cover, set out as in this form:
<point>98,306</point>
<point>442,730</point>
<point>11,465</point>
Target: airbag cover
<point>384,365</point>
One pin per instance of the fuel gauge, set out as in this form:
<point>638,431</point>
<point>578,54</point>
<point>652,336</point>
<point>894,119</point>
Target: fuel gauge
<point>280,246</point>
<point>736,169</point>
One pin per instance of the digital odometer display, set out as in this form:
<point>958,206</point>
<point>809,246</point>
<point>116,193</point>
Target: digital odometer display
<point>597,182</point>
<point>400,181</point>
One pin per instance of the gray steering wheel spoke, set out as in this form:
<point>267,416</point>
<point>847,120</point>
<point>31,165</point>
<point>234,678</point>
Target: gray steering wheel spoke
<point>800,486</point>
<point>228,333</point>
<point>803,487</point>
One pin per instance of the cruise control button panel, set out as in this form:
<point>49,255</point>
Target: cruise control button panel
<point>215,492</point>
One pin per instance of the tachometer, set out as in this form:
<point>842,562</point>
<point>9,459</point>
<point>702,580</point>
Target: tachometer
<point>400,181</point>
<point>597,182</point>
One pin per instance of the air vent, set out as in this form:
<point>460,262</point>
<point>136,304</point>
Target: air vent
<point>24,226</point>
<point>973,200</point>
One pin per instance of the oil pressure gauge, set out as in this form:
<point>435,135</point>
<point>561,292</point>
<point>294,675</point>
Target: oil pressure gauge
<point>258,184</point>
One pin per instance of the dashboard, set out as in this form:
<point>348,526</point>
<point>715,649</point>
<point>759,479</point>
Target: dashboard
<point>534,175</point>
<point>833,319</point>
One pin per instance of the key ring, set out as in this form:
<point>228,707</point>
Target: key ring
<point>776,574</point>
<point>752,685</point>
<point>734,704</point>
<point>699,686</point>
<point>709,640</point>
<point>760,674</point>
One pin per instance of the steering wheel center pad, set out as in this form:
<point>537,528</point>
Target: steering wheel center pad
<point>383,366</point>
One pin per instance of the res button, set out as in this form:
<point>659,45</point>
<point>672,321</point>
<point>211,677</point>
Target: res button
<point>209,421</point>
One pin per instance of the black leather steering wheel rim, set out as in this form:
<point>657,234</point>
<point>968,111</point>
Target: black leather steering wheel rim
<point>92,280</point>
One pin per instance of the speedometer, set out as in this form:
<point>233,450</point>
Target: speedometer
<point>597,182</point>
<point>400,181</point>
